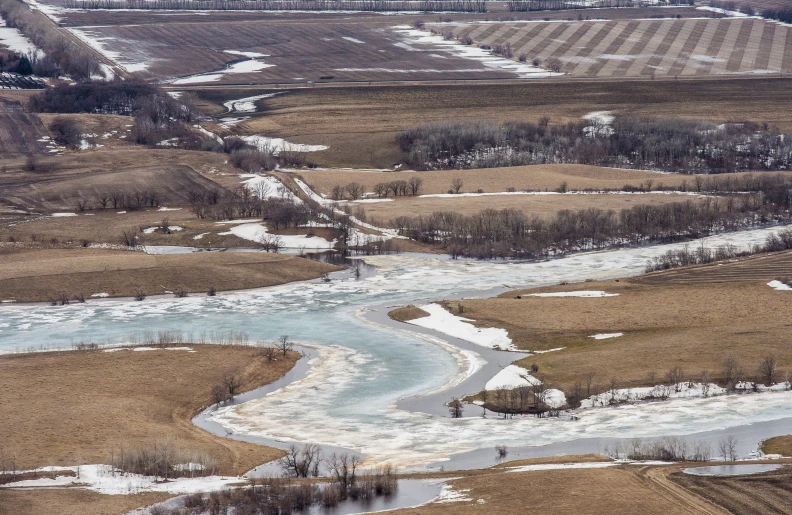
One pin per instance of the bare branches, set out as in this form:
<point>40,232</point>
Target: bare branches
<point>283,344</point>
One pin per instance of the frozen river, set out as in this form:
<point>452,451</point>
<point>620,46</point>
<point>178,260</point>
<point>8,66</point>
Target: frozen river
<point>363,369</point>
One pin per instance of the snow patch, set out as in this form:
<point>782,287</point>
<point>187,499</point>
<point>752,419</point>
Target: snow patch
<point>605,336</point>
<point>779,286</point>
<point>442,321</point>
<point>277,145</point>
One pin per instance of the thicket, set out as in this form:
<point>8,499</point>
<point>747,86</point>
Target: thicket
<point>508,233</point>
<point>286,5</point>
<point>782,14</point>
<point>163,459</point>
<point>61,55</point>
<point>13,62</point>
<point>671,145</point>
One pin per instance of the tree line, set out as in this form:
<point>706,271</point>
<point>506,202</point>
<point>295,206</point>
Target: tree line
<point>782,14</point>
<point>61,56</point>
<point>509,233</point>
<point>563,5</point>
<point>666,144</point>
<point>478,6</point>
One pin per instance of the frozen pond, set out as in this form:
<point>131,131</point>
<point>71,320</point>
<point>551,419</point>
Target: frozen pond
<point>730,470</point>
<point>377,388</point>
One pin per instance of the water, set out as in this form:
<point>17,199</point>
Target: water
<point>368,391</point>
<point>730,470</point>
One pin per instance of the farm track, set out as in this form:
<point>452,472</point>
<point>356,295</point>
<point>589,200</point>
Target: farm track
<point>758,268</point>
<point>19,131</point>
<point>656,478</point>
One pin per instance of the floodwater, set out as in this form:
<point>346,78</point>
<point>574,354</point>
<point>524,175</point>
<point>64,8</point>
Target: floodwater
<point>377,387</point>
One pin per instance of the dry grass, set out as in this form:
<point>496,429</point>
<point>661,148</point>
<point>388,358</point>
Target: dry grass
<point>73,501</point>
<point>62,407</point>
<point>38,275</point>
<point>360,124</point>
<point>626,489</point>
<point>693,326</point>
<point>778,445</point>
<point>20,131</point>
<point>574,458</point>
<point>534,177</point>
<point>543,206</point>
<point>407,313</point>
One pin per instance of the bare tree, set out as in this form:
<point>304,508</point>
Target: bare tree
<point>140,294</point>
<point>456,185</point>
<point>767,370</point>
<point>456,407</point>
<point>232,385</point>
<point>129,237</point>
<point>343,468</point>
<point>355,190</point>
<point>415,184</point>
<point>730,366</point>
<point>502,451</point>
<point>728,448</point>
<point>554,64</point>
<point>302,462</point>
<point>705,383</point>
<point>219,394</point>
<point>284,345</point>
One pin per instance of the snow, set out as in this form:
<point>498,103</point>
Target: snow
<point>605,336</point>
<point>371,200</point>
<point>249,66</point>
<point>563,466</point>
<point>251,55</point>
<point>587,294</point>
<point>62,215</point>
<point>256,232</point>
<point>151,230</point>
<point>15,41</point>
<point>199,236</point>
<point>245,105</point>
<point>104,479</point>
<point>102,295</point>
<point>511,377</point>
<point>548,193</point>
<point>169,209</point>
<point>779,286</point>
<point>267,186</point>
<point>277,145</point>
<point>414,38</point>
<point>442,321</point>
<point>448,494</point>
<point>146,349</point>
<point>600,117</point>
<point>733,14</point>
<point>353,40</point>
<point>102,44</point>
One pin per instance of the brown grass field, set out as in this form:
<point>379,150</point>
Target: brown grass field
<point>360,124</point>
<point>73,501</point>
<point>646,48</point>
<point>778,445</point>
<point>31,275</point>
<point>534,177</point>
<point>666,323</point>
<point>543,206</point>
<point>106,400</point>
<point>625,489</point>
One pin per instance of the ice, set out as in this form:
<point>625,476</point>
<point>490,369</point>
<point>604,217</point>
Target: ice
<point>586,294</point>
<point>351,394</point>
<point>605,336</point>
<point>441,320</point>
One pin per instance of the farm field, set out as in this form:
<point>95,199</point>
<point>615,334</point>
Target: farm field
<point>30,275</point>
<point>543,206</point>
<point>692,324</point>
<point>534,177</point>
<point>645,48</point>
<point>20,132</point>
<point>360,125</point>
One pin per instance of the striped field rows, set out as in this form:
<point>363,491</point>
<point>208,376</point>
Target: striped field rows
<point>640,48</point>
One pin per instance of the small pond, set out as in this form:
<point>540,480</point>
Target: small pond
<point>731,470</point>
